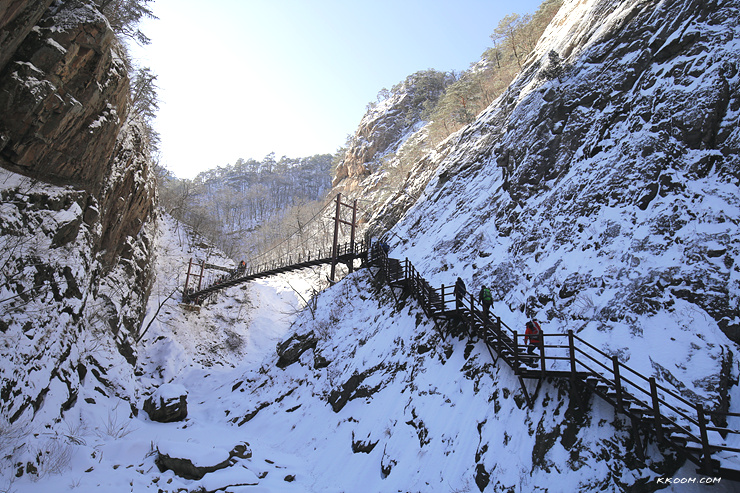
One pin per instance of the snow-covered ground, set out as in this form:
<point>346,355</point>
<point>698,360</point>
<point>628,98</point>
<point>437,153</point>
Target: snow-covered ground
<point>434,409</point>
<point>100,445</point>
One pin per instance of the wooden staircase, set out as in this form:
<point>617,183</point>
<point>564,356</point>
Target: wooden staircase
<point>697,434</point>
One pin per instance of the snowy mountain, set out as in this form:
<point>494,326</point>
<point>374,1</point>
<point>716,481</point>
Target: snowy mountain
<point>599,194</point>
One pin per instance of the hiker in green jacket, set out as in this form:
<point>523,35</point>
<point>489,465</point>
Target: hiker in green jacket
<point>486,300</point>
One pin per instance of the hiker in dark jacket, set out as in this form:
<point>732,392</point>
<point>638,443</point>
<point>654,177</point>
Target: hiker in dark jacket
<point>459,293</point>
<point>485,299</point>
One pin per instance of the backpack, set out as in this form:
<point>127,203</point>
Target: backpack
<point>486,296</point>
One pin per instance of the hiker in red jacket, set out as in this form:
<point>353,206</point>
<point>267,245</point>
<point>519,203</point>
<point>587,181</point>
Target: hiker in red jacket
<point>532,338</point>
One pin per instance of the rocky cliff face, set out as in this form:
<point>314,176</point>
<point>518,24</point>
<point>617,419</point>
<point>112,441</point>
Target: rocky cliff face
<point>602,190</point>
<point>599,194</point>
<point>623,122</point>
<point>386,128</point>
<point>77,207</point>
<point>379,129</point>
<point>17,18</point>
<point>63,98</point>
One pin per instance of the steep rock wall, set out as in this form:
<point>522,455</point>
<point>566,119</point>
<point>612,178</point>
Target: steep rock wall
<point>63,99</point>
<point>17,18</point>
<point>77,212</point>
<point>378,130</point>
<point>621,144</point>
<point>600,193</point>
<point>387,128</point>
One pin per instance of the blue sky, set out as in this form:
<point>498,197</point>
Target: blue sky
<point>243,78</point>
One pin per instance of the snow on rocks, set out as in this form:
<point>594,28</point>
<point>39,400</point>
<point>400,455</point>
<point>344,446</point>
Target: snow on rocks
<point>191,460</point>
<point>167,404</point>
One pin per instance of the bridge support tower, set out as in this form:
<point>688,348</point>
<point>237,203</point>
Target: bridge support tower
<point>337,221</point>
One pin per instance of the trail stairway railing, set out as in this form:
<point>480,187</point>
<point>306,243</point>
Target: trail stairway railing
<point>345,253</point>
<point>699,434</point>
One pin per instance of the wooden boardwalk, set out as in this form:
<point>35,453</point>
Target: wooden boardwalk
<point>662,415</point>
<point>698,434</point>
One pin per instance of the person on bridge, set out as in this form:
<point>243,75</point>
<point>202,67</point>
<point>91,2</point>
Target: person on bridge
<point>460,291</point>
<point>485,299</point>
<point>532,336</point>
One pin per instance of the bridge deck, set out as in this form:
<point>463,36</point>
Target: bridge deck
<point>272,270</point>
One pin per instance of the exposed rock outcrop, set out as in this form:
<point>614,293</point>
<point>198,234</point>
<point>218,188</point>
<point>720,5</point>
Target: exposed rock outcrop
<point>379,128</point>
<point>191,461</point>
<point>386,126</point>
<point>290,350</point>
<point>17,18</point>
<point>63,99</point>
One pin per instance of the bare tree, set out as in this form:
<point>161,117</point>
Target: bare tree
<point>124,17</point>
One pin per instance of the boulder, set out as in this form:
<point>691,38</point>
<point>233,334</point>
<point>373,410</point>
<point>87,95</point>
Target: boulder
<point>167,404</point>
<point>362,446</point>
<point>191,460</point>
<point>339,397</point>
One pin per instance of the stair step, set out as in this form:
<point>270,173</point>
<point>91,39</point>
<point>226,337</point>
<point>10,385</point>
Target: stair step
<point>697,449</point>
<point>636,406</point>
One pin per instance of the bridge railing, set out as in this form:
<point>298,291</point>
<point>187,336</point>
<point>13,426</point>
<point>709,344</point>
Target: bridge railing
<point>663,404</point>
<point>234,276</point>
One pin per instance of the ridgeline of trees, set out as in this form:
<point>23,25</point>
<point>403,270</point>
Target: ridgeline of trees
<point>243,206</point>
<point>474,90</point>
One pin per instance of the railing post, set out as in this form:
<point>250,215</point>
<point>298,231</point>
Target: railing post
<point>187,277</point>
<point>542,352</point>
<point>352,236</point>
<point>443,298</point>
<point>617,380</point>
<point>516,351</point>
<point>656,409</point>
<point>202,269</point>
<point>706,451</point>
<point>572,349</point>
<point>336,238</point>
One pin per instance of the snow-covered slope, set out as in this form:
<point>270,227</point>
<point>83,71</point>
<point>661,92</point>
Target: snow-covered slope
<point>599,194</point>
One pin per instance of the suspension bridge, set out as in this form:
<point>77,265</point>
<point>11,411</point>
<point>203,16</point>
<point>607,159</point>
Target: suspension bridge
<point>702,436</point>
<point>198,286</point>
